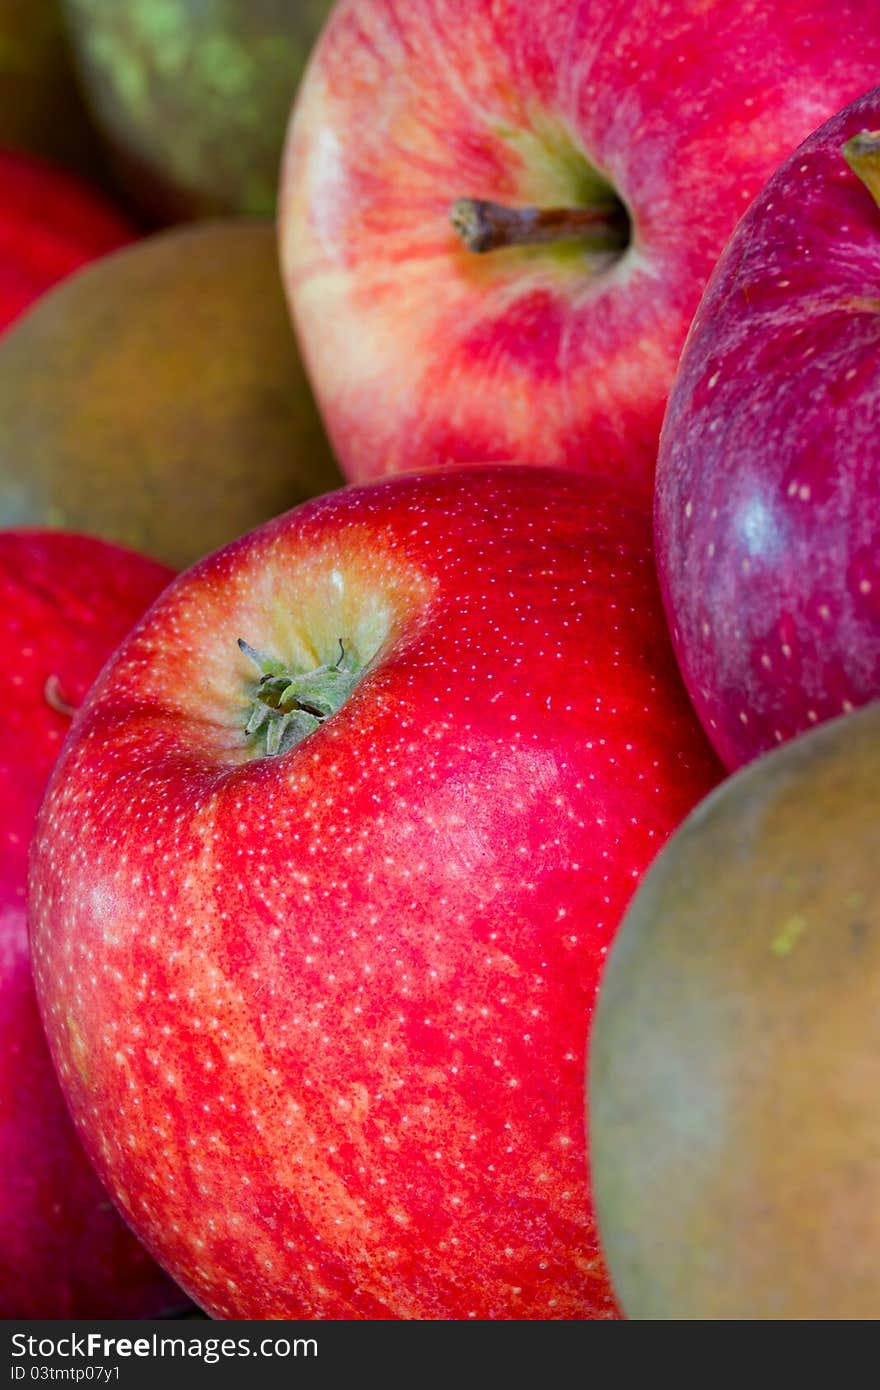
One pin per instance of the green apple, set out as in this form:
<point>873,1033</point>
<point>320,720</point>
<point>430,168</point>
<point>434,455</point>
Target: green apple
<point>193,95</point>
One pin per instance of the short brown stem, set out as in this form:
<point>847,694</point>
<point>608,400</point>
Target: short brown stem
<point>862,154</point>
<point>53,697</point>
<point>485,226</point>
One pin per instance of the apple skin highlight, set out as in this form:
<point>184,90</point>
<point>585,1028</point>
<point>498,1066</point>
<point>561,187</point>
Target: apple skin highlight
<point>421,351</point>
<point>64,1252</point>
<point>767,508</point>
<point>321,1017</point>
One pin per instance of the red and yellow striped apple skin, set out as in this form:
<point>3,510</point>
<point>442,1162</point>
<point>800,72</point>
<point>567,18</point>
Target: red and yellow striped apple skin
<point>421,351</point>
<point>321,1017</point>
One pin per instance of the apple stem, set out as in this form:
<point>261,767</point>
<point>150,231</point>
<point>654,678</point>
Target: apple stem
<point>53,697</point>
<point>862,154</point>
<point>289,705</point>
<point>485,226</point>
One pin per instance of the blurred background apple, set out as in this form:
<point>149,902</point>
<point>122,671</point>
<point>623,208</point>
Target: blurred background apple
<point>193,95</point>
<point>158,399</point>
<point>51,223</point>
<point>65,601</point>
<point>41,108</point>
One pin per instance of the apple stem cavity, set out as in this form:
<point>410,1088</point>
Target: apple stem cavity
<point>485,226</point>
<point>862,154</point>
<point>289,705</point>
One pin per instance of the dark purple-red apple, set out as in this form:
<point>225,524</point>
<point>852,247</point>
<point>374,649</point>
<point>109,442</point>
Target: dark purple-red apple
<point>65,601</point>
<point>593,159</point>
<point>345,892</point>
<point>768,484</point>
<point>51,223</point>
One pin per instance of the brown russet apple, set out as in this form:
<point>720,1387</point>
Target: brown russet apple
<point>158,399</point>
<point>735,1053</point>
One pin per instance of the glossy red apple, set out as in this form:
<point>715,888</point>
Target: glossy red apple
<point>65,601</point>
<point>624,142</point>
<point>50,224</point>
<point>321,1014</point>
<point>768,484</point>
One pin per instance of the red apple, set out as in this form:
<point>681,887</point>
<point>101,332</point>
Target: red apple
<point>50,224</point>
<point>768,485</point>
<point>624,142</point>
<point>320,1015</point>
<point>65,601</point>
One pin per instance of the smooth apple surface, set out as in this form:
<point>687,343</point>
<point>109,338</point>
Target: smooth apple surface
<point>157,398</point>
<point>735,1051</point>
<point>331,1064</point>
<point>661,121</point>
<point>50,224</point>
<point>768,497</point>
<point>65,601</point>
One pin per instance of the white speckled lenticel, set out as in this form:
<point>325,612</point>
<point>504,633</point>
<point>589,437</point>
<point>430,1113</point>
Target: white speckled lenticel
<point>321,1014</point>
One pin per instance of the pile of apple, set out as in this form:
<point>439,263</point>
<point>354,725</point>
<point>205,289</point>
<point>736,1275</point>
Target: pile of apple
<point>312,857</point>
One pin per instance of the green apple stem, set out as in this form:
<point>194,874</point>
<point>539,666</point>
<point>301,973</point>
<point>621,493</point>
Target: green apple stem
<point>289,705</point>
<point>485,226</point>
<point>862,154</point>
